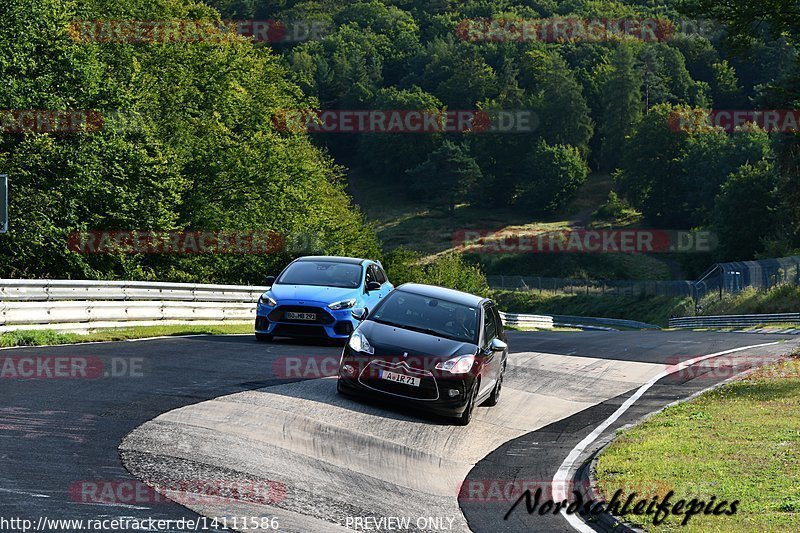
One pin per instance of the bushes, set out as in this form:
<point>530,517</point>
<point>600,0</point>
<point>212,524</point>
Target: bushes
<point>450,270</point>
<point>556,172</point>
<point>778,299</point>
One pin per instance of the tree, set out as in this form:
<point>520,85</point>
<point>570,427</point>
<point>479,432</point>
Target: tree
<point>672,176</point>
<point>650,159</point>
<point>741,17</point>
<point>389,155</point>
<point>554,175</point>
<point>202,155</point>
<point>747,211</point>
<point>622,106</point>
<point>563,112</point>
<point>447,174</point>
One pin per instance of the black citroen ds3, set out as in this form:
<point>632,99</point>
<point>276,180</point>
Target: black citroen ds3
<point>439,349</point>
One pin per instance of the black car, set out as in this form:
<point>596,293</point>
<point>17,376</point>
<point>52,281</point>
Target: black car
<point>440,349</point>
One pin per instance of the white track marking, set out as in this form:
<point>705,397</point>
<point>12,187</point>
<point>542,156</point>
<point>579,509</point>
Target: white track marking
<point>562,475</point>
<point>23,493</point>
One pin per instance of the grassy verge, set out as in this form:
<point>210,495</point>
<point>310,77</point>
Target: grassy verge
<point>650,309</point>
<point>738,442</point>
<point>402,221</point>
<point>779,299</point>
<point>49,337</point>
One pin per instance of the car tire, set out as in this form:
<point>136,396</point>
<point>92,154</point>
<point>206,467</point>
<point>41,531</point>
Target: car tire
<point>339,390</point>
<point>494,397</point>
<point>466,416</point>
<point>263,337</point>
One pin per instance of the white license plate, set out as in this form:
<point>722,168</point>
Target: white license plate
<point>399,378</point>
<point>301,316</point>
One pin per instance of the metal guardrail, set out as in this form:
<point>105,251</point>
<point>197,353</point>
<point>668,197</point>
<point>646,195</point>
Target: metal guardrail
<point>733,321</point>
<point>527,321</point>
<point>80,305</point>
<point>604,322</point>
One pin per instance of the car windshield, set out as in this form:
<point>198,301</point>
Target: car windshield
<point>322,274</point>
<point>428,315</point>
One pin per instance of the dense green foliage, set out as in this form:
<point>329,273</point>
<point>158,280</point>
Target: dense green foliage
<point>201,153</point>
<point>190,141</point>
<point>449,270</point>
<point>602,105</point>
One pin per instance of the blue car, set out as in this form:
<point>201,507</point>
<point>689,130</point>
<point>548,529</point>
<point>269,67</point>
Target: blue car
<point>315,296</point>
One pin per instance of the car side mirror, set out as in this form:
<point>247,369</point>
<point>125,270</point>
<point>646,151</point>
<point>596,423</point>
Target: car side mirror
<point>498,346</point>
<point>359,314</point>
<point>269,281</point>
<point>373,286</point>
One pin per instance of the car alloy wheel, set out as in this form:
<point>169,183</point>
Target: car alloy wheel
<point>466,416</point>
<point>494,397</point>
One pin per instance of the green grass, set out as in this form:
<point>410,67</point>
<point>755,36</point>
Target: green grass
<point>574,266</point>
<point>779,299</point>
<point>403,221</point>
<point>591,195</point>
<point>49,337</point>
<point>738,442</point>
<point>650,309</point>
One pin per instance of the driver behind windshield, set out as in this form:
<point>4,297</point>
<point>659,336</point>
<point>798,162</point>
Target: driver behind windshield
<point>463,323</point>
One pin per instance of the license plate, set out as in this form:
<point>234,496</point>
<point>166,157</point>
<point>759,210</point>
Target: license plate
<point>399,378</point>
<point>301,316</point>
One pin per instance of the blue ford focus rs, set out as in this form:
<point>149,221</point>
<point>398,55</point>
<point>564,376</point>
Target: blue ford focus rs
<point>315,296</point>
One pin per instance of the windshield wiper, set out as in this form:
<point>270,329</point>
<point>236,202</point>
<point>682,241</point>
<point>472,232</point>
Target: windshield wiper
<point>388,323</point>
<point>419,329</point>
<point>433,332</point>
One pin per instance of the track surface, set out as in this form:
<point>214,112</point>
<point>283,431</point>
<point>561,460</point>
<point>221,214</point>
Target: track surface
<point>336,458</point>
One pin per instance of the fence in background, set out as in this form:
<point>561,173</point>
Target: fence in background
<point>732,278</point>
<point>722,278</point>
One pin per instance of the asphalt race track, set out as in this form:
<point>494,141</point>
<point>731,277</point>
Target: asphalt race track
<point>237,414</point>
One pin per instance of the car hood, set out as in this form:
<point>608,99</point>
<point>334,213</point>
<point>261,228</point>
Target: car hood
<point>390,341</point>
<point>312,293</point>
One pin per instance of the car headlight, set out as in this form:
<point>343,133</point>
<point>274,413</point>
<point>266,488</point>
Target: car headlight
<point>359,343</point>
<point>266,299</point>
<point>344,304</point>
<point>457,365</point>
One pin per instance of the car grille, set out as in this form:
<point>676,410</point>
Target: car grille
<point>262,323</point>
<point>279,314</point>
<point>427,390</point>
<point>292,330</point>
<point>343,328</point>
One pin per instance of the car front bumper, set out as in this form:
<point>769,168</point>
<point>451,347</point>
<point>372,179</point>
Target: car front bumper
<point>438,391</point>
<point>328,323</point>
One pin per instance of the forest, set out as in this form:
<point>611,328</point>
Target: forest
<point>190,140</point>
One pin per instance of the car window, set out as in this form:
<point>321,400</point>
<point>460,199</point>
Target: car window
<point>439,317</point>
<point>498,320</point>
<point>322,274</point>
<point>370,274</point>
<point>489,326</point>
<point>381,275</point>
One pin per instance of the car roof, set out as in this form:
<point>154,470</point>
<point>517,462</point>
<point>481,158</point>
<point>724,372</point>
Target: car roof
<point>450,295</point>
<point>333,259</point>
